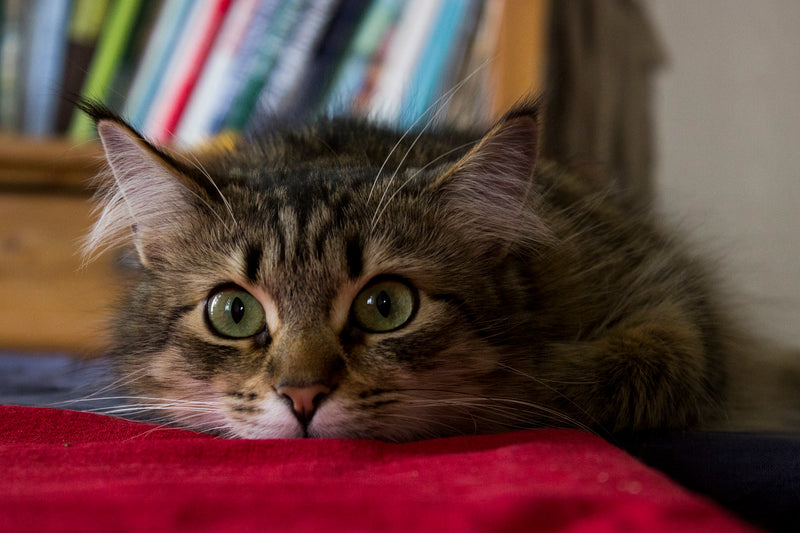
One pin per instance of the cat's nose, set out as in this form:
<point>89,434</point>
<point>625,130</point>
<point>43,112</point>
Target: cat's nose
<point>304,399</point>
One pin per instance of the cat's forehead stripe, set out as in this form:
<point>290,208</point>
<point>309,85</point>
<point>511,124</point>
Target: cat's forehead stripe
<point>355,258</point>
<point>252,262</point>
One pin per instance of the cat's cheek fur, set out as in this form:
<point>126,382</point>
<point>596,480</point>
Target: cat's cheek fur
<point>166,383</point>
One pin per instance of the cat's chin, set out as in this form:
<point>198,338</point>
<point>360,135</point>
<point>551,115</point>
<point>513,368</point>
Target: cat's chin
<point>275,421</point>
<point>272,430</point>
<point>291,430</point>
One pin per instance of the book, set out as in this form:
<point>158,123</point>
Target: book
<point>361,102</point>
<point>291,67</point>
<point>110,47</point>
<point>242,62</point>
<point>444,46</point>
<point>171,19</point>
<point>352,72</point>
<point>196,123</point>
<point>47,40</point>
<point>283,23</point>
<point>12,53</point>
<point>134,50</point>
<point>85,23</point>
<point>404,51</point>
<point>309,99</point>
<point>471,104</point>
<point>185,68</point>
<point>184,71</point>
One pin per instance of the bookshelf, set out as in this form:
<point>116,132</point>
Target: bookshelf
<point>51,302</point>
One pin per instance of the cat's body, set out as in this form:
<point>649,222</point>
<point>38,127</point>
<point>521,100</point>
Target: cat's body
<point>330,282</point>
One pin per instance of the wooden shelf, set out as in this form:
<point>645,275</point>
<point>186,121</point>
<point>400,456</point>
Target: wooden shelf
<point>49,302</point>
<point>40,165</point>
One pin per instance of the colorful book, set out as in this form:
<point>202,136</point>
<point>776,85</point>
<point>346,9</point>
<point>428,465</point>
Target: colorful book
<point>183,71</point>
<point>85,24</point>
<point>309,99</point>
<point>111,46</point>
<point>412,32</point>
<point>242,62</point>
<point>142,30</point>
<point>471,103</point>
<point>445,45</point>
<point>295,57</point>
<point>185,68</point>
<point>12,53</point>
<point>352,72</point>
<point>170,22</point>
<point>47,44</point>
<point>284,22</point>
<point>196,123</point>
<point>177,58</point>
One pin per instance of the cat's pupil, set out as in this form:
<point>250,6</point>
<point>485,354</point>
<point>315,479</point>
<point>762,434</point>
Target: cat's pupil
<point>384,304</point>
<point>237,310</point>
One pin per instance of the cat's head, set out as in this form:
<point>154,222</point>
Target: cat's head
<point>330,298</point>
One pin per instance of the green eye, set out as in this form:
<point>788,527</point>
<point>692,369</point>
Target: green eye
<point>235,314</point>
<point>384,305</point>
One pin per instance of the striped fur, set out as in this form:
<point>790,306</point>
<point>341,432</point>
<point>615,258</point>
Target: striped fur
<point>542,300</point>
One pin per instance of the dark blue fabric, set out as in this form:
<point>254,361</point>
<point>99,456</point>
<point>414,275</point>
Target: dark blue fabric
<point>57,380</point>
<point>755,475</point>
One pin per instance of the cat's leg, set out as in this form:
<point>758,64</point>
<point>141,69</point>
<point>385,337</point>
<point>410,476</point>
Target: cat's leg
<point>650,370</point>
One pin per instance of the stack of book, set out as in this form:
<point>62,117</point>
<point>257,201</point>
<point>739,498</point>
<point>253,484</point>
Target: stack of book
<point>183,71</point>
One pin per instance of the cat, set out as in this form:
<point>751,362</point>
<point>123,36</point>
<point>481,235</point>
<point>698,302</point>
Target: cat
<point>344,280</point>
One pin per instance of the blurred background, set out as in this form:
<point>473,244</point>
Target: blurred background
<point>727,129</point>
<point>688,106</point>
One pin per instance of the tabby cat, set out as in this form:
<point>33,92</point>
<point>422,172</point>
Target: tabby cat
<point>341,279</point>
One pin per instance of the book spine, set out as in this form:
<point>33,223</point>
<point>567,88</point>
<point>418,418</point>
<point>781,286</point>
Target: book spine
<point>110,48</point>
<point>295,57</point>
<point>351,73</point>
<point>270,48</point>
<point>196,51</point>
<point>153,64</point>
<point>196,123</point>
<point>471,105</point>
<point>443,44</point>
<point>48,38</point>
<point>309,99</point>
<point>243,61</point>
<point>84,29</point>
<point>142,30</point>
<point>405,48</point>
<point>12,48</point>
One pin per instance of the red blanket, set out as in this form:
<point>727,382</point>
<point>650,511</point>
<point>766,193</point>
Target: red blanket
<point>71,471</point>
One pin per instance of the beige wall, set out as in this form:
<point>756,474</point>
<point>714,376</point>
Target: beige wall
<point>728,140</point>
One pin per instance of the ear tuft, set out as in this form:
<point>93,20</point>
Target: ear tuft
<point>145,201</point>
<point>489,191</point>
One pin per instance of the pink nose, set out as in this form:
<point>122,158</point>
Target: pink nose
<point>304,399</point>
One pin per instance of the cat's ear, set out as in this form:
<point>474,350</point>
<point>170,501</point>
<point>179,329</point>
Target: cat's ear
<point>148,198</point>
<point>489,192</point>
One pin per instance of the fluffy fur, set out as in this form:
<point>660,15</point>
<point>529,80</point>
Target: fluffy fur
<point>542,299</point>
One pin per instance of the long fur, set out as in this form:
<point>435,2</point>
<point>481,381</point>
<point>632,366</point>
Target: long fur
<point>541,298</point>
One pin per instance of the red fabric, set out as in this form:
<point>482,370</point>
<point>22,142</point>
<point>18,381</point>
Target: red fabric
<point>70,471</point>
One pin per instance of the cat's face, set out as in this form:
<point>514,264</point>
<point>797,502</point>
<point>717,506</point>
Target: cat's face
<point>324,301</point>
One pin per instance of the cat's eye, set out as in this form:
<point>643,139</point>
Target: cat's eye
<point>384,305</point>
<point>233,313</point>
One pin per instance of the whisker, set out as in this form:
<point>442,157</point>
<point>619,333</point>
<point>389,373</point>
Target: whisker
<point>120,382</point>
<point>485,403</point>
<point>377,217</point>
<point>448,94</point>
<point>197,164</point>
